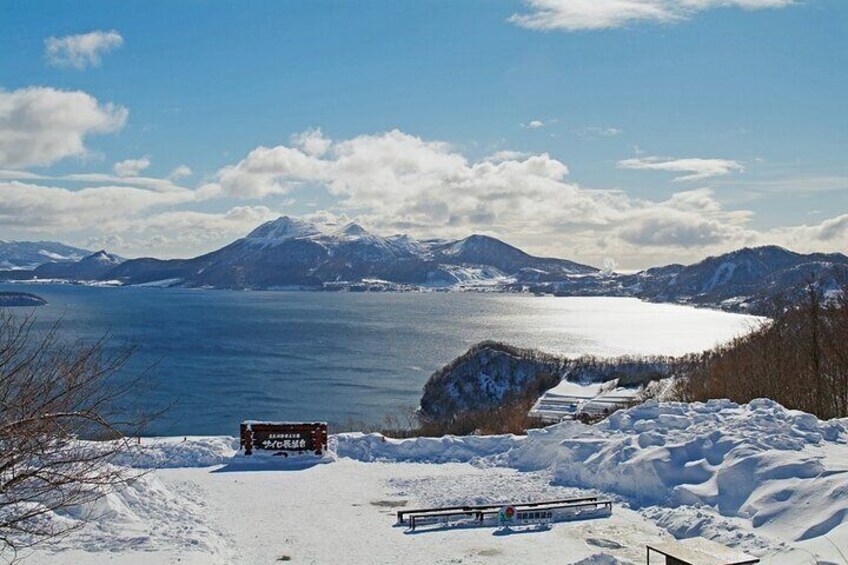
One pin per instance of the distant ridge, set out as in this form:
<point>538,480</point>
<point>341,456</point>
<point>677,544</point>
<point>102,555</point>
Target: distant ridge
<point>293,253</point>
<point>31,254</point>
<point>749,277</point>
<point>290,252</point>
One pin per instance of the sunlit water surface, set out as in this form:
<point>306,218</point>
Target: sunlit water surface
<point>223,356</point>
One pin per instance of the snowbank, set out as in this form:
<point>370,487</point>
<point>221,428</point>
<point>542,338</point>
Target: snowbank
<point>447,449</point>
<point>758,477</point>
<point>716,469</point>
<point>784,471</point>
<point>781,472</point>
<point>180,452</point>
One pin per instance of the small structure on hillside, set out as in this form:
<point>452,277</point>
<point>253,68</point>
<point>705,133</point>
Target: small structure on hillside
<point>582,401</point>
<point>695,551</point>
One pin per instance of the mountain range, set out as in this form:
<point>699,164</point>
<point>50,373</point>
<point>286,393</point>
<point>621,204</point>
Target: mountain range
<point>30,254</point>
<point>291,253</point>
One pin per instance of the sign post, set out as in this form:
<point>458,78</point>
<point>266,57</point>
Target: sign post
<point>284,438</point>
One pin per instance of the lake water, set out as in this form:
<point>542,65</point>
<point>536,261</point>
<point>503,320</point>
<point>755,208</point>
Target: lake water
<point>224,356</point>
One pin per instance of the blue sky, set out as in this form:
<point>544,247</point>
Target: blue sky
<point>748,105</point>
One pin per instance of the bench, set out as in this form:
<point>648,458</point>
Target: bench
<point>534,512</point>
<point>470,508</point>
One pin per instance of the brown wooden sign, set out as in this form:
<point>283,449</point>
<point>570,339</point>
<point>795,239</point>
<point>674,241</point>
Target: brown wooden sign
<point>284,438</point>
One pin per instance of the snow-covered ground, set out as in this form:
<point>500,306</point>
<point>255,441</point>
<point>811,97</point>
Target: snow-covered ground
<point>757,477</point>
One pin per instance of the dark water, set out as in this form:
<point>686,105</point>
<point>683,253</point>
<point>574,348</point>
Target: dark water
<point>224,356</point>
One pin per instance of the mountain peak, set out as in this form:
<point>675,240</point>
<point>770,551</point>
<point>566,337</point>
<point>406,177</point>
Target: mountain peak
<point>283,228</point>
<point>102,257</point>
<point>353,229</point>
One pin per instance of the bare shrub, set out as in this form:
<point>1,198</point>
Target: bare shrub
<point>799,358</point>
<point>58,402</point>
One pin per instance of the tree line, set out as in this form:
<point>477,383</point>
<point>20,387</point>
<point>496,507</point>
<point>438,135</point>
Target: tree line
<point>798,358</point>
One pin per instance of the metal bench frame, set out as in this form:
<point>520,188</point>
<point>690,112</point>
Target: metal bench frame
<point>524,512</point>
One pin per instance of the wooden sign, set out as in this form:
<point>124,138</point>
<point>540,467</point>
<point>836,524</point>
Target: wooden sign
<point>284,438</point>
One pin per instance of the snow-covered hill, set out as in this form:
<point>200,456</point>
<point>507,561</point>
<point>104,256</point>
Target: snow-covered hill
<point>746,278</point>
<point>90,267</point>
<point>30,254</point>
<point>490,373</point>
<point>290,252</point>
<point>755,477</point>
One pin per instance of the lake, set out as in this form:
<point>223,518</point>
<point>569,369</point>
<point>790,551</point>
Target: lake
<point>224,356</point>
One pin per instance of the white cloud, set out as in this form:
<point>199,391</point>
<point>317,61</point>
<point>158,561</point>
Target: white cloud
<point>698,169</point>
<point>268,171</point>
<point>180,172</point>
<point>171,233</point>
<point>596,131</point>
<point>576,15</point>
<point>507,155</point>
<point>43,207</point>
<point>81,51</point>
<point>395,182</point>
<point>534,124</point>
<point>39,126</point>
<point>312,142</point>
<point>129,215</point>
<point>131,167</point>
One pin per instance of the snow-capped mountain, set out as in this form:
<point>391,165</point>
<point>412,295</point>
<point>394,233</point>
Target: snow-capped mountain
<point>90,267</point>
<point>749,276</point>
<point>30,254</point>
<point>291,252</point>
<point>282,229</point>
<point>484,250</point>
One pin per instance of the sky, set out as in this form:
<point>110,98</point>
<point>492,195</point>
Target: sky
<point>621,132</point>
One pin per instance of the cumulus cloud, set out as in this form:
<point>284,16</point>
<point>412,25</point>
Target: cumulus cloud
<point>830,234</point>
<point>131,167</point>
<point>402,180</point>
<point>577,15</point>
<point>82,50</point>
<point>129,215</point>
<point>171,233</point>
<point>312,142</point>
<point>395,182</point>
<point>39,126</point>
<point>180,172</point>
<point>698,169</point>
<point>45,207</point>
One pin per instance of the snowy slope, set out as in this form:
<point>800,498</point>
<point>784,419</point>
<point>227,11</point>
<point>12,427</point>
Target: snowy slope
<point>756,477</point>
<point>90,267</point>
<point>747,277</point>
<point>31,254</point>
<point>289,252</point>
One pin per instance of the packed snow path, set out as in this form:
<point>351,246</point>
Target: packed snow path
<point>758,477</point>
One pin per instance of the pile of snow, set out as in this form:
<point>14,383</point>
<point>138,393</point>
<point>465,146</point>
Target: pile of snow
<point>783,472</point>
<point>179,452</point>
<point>758,477</point>
<point>447,449</point>
<point>760,467</point>
<point>751,476</point>
<point>143,515</point>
